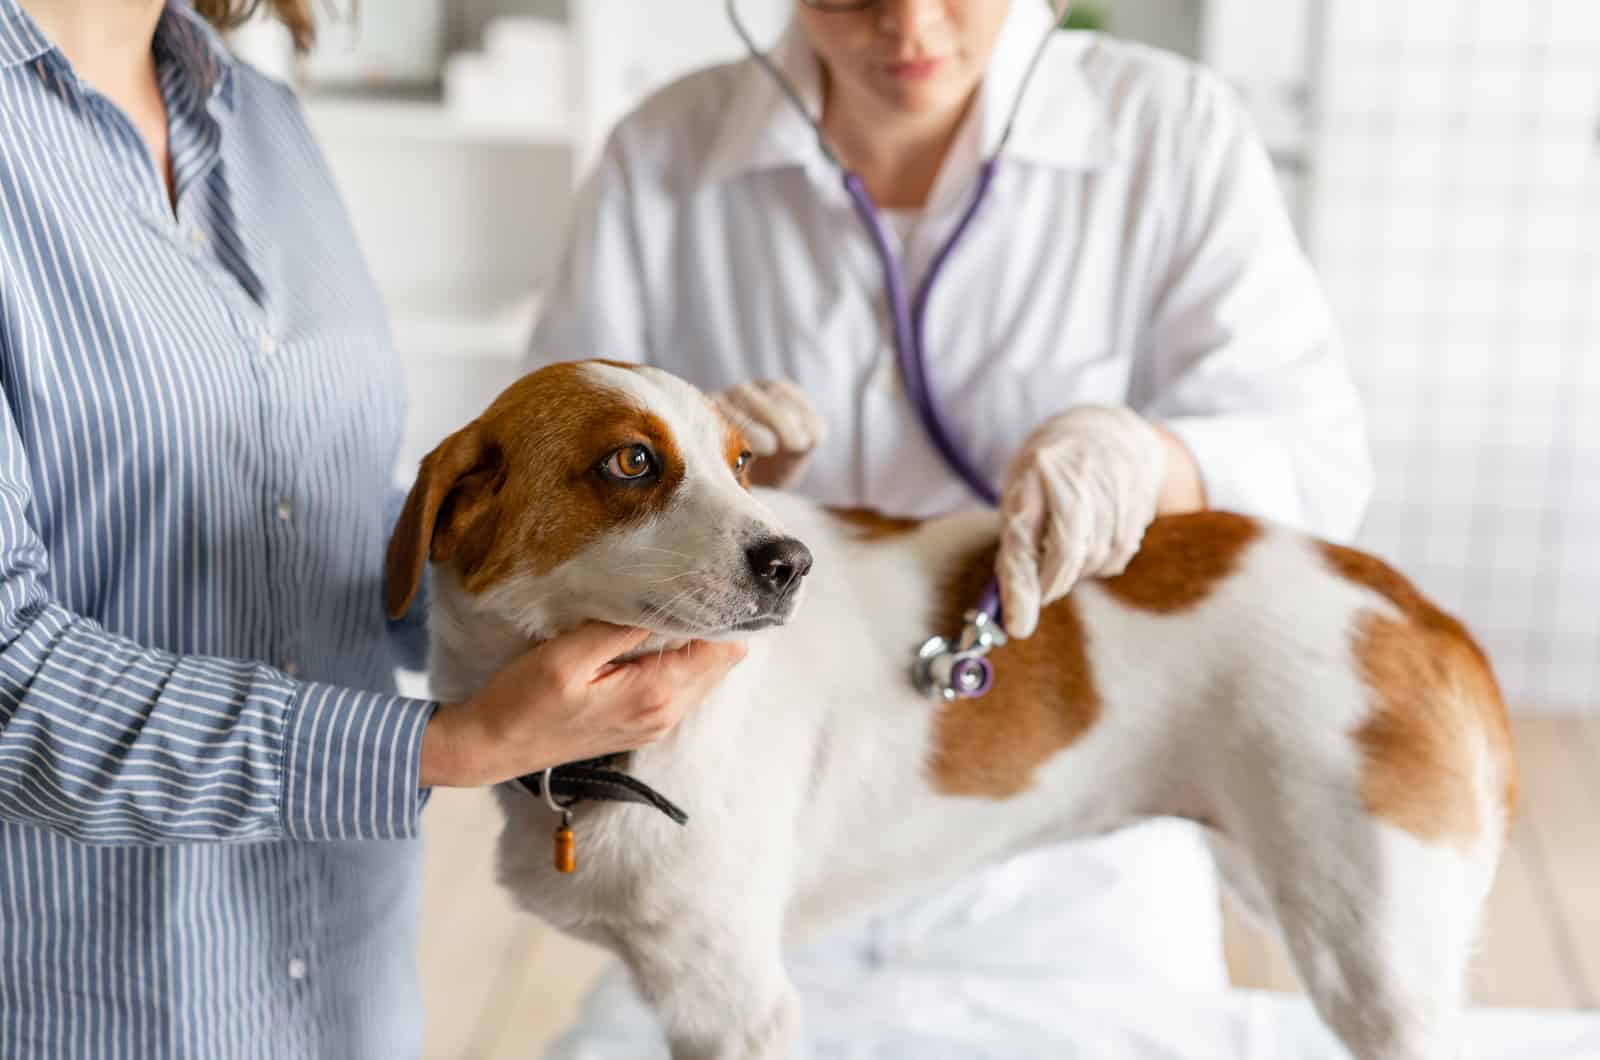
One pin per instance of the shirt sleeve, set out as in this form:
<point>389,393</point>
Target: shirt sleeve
<point>1246,366</point>
<point>106,741</point>
<point>596,302</point>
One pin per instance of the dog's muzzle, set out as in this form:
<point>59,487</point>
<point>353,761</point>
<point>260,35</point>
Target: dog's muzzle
<point>777,565</point>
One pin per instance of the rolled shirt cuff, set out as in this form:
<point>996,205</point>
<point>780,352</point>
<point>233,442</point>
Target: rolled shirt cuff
<point>352,763</point>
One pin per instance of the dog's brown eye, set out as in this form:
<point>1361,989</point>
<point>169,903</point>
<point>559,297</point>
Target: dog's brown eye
<point>743,462</point>
<point>632,462</point>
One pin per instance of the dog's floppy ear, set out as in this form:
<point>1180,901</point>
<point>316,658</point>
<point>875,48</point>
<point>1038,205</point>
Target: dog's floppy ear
<point>449,514</point>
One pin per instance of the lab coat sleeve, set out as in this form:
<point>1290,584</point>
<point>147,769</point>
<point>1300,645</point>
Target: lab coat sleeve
<point>104,740</point>
<point>595,303</point>
<point>1243,361</point>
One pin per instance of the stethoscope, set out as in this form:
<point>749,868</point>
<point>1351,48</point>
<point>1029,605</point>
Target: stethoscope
<point>944,668</point>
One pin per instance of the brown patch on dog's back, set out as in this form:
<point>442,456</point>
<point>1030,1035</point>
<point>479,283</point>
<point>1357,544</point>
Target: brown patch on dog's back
<point>870,525</point>
<point>1433,691</point>
<point>1182,560</point>
<point>1042,700</point>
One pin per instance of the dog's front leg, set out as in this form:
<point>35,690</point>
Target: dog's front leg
<point>716,981</point>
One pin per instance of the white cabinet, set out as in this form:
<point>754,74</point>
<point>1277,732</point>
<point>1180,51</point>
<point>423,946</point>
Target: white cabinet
<point>461,220</point>
<point>625,50</point>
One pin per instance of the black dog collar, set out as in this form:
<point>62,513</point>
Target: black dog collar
<point>592,781</point>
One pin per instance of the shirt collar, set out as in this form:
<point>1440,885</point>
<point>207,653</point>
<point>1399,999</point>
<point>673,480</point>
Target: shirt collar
<point>21,40</point>
<point>191,42</point>
<point>181,34</point>
<point>1062,120</point>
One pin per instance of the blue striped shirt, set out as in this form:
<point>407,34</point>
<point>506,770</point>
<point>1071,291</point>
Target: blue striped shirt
<point>207,783</point>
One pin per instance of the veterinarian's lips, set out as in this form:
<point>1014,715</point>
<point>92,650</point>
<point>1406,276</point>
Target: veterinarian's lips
<point>920,69</point>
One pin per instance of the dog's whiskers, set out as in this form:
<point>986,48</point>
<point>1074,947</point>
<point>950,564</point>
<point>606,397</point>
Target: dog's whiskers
<point>698,593</point>
<point>673,578</point>
<point>666,551</point>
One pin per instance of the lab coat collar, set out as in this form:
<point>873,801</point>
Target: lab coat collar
<point>1061,123</point>
<point>763,130</point>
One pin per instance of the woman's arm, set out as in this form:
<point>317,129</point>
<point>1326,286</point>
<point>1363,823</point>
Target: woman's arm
<point>1244,364</point>
<point>107,741</point>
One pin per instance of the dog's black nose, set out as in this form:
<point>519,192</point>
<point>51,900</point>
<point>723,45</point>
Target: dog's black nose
<point>779,564</point>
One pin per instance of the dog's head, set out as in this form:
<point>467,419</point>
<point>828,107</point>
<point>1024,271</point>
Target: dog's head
<point>600,491</point>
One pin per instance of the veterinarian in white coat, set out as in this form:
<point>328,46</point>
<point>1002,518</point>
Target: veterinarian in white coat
<point>1133,250</point>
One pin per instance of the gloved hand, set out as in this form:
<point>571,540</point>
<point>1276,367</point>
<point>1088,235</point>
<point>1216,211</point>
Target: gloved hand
<point>781,425</point>
<point>1076,502</point>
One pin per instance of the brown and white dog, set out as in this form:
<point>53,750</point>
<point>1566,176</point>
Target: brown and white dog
<point>1343,740</point>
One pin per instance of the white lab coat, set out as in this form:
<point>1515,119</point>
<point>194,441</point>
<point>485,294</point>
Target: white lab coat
<point>1134,249</point>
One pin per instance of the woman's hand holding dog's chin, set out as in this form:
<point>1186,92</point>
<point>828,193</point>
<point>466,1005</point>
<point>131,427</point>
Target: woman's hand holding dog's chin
<point>566,700</point>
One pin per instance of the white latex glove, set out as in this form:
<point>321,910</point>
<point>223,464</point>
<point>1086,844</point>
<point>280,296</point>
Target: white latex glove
<point>781,425</point>
<point>1076,503</point>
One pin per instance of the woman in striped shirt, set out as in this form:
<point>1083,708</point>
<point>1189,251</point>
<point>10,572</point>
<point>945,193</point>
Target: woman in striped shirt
<point>197,708</point>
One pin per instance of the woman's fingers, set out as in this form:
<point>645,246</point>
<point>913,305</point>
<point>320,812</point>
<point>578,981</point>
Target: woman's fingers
<point>592,646</point>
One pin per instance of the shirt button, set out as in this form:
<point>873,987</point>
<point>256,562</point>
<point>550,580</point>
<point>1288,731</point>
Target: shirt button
<point>268,342</point>
<point>297,968</point>
<point>291,668</point>
<point>284,510</point>
<point>197,237</point>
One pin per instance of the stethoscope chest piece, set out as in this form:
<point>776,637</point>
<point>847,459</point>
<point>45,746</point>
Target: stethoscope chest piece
<point>960,669</point>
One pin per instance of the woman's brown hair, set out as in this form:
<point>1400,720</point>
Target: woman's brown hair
<point>296,14</point>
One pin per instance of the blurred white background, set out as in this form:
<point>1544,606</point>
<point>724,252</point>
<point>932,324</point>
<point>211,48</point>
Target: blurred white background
<point>1442,158</point>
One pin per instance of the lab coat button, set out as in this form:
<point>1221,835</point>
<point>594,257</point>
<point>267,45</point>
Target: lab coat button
<point>297,968</point>
<point>269,343</point>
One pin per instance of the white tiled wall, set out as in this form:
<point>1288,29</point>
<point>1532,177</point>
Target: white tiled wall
<point>1456,221</point>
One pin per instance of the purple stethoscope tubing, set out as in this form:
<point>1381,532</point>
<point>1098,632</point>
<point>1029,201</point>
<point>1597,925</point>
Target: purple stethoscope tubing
<point>910,349</point>
<point>909,335</point>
